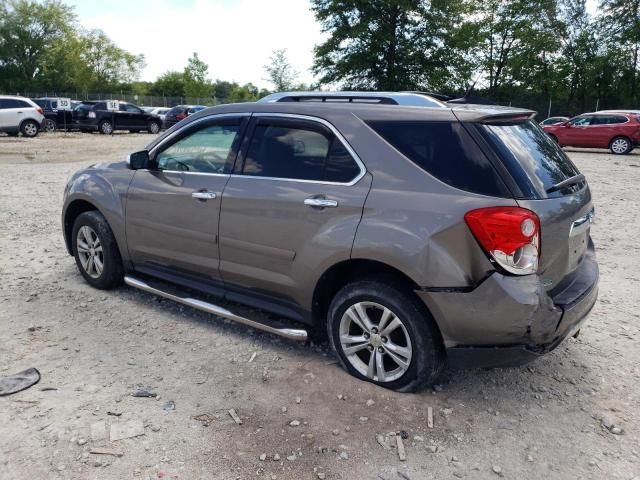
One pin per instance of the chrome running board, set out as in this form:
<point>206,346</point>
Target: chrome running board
<point>291,333</point>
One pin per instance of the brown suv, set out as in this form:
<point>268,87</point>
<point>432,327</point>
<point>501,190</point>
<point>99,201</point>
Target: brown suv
<point>409,235</point>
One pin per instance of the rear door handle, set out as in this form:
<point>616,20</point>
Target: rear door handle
<point>320,202</point>
<point>203,195</point>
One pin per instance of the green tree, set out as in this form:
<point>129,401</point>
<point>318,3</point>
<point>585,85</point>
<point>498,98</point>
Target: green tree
<point>28,31</point>
<point>169,84</point>
<point>196,81</point>
<point>620,23</point>
<point>280,72</point>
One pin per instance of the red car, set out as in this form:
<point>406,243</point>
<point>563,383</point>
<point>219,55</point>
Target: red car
<point>619,132</point>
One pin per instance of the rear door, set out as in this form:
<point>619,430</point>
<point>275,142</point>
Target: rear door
<point>173,210</point>
<point>136,116</point>
<point>292,207</point>
<point>6,119</point>
<point>537,164</point>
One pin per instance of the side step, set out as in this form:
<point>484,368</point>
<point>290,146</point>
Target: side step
<point>291,333</point>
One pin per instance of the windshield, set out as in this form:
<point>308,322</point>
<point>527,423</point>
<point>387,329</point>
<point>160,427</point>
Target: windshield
<point>532,158</point>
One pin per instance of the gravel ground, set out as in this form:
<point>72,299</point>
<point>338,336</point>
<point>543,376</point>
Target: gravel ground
<point>572,414</point>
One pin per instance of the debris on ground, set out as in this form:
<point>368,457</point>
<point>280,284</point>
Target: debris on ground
<point>144,393</point>
<point>19,381</point>
<point>430,417</point>
<point>106,451</point>
<point>402,456</point>
<point>235,416</point>
<point>119,431</point>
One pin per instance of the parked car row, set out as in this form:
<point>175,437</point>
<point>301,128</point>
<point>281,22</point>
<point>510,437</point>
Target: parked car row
<point>617,130</point>
<point>30,116</point>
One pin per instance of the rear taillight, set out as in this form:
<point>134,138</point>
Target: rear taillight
<point>180,116</point>
<point>39,110</point>
<point>510,235</point>
<point>91,115</point>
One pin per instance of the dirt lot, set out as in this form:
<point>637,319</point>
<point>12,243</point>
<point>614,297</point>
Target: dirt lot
<point>552,419</point>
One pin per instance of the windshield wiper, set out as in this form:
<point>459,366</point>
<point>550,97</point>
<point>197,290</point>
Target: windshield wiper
<point>566,183</point>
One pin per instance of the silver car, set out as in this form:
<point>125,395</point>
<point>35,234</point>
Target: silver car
<point>410,236</point>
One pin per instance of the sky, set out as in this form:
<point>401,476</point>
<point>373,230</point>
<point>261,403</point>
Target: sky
<point>234,37</point>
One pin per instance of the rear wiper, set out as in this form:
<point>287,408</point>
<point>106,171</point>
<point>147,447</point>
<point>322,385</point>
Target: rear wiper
<point>566,183</point>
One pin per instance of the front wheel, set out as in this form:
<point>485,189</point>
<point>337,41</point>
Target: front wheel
<point>96,251</point>
<point>384,335</point>
<point>620,146</point>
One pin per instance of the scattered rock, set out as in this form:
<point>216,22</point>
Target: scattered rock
<point>291,458</point>
<point>168,406</point>
<point>106,451</point>
<point>294,423</point>
<point>82,441</point>
<point>335,432</point>
<point>263,457</point>
<point>370,403</point>
<point>276,458</point>
<point>298,399</point>
<point>344,455</point>
<point>497,470</point>
<point>144,393</point>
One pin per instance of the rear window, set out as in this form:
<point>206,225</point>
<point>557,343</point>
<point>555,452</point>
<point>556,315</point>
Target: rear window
<point>446,151</point>
<point>533,159</point>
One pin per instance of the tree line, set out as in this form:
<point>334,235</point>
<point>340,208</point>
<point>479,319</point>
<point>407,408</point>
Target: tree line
<point>529,53</point>
<point>525,52</point>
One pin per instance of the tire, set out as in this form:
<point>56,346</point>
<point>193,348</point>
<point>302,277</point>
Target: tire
<point>154,127</point>
<point>105,127</point>
<point>29,128</point>
<point>92,225</point>
<point>49,126</point>
<point>417,331</point>
<point>620,146</point>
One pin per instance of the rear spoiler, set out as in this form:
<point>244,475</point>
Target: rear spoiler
<point>492,115</point>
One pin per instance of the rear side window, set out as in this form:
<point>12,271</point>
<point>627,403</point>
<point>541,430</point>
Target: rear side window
<point>298,151</point>
<point>533,159</point>
<point>446,151</point>
<point>14,103</point>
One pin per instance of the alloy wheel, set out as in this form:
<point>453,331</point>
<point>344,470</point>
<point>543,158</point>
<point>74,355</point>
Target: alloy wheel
<point>619,145</point>
<point>375,341</point>
<point>90,251</point>
<point>107,128</point>
<point>49,126</point>
<point>30,129</point>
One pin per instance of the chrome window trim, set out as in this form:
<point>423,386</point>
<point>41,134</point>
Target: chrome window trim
<point>167,139</point>
<point>334,130</point>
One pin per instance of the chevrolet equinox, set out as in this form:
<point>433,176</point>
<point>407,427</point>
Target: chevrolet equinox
<point>412,233</point>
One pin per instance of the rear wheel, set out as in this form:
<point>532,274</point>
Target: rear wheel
<point>620,145</point>
<point>96,251</point>
<point>29,128</point>
<point>154,127</point>
<point>384,335</point>
<point>106,127</point>
<point>49,126</point>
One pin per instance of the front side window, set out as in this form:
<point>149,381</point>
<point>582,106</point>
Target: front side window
<point>580,121</point>
<point>302,151</point>
<point>204,151</point>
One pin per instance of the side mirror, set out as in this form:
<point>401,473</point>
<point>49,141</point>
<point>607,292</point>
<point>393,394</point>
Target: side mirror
<point>138,160</point>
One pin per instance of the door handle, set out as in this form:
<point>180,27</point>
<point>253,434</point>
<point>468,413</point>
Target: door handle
<point>320,202</point>
<point>203,195</point>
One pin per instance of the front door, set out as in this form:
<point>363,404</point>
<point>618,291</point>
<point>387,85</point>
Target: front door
<point>576,132</point>
<point>173,210</point>
<point>292,208</point>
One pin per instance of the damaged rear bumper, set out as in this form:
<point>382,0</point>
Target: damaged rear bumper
<point>508,320</point>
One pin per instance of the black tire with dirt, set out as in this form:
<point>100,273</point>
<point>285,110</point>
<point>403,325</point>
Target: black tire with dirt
<point>105,127</point>
<point>112,271</point>
<point>428,356</point>
<point>50,126</point>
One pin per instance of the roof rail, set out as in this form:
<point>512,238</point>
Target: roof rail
<point>418,99</point>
